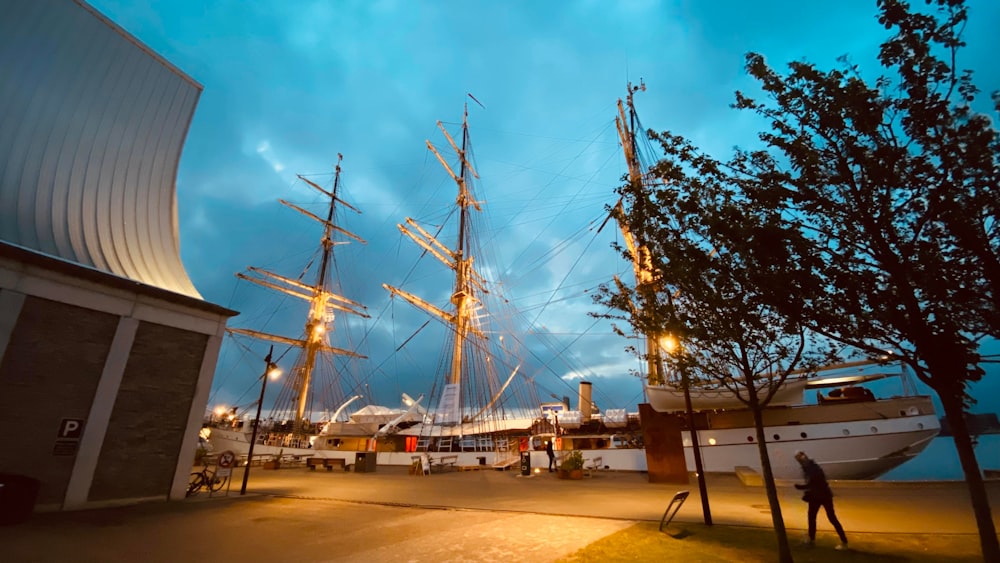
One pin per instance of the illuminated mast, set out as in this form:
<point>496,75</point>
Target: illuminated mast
<point>323,303</point>
<point>468,282</point>
<point>641,261</point>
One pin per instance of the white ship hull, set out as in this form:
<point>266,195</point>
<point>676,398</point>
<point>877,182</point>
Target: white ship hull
<point>860,440</point>
<point>238,442</point>
<point>845,450</point>
<point>850,441</point>
<point>841,458</point>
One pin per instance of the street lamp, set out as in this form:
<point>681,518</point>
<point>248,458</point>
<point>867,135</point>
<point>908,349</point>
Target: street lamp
<point>272,371</point>
<point>670,344</point>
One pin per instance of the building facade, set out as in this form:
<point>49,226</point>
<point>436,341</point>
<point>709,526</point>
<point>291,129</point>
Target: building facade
<point>107,351</point>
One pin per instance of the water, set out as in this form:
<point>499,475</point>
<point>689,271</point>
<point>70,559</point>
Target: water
<point>940,461</point>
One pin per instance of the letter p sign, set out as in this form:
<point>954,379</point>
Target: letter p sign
<point>71,428</point>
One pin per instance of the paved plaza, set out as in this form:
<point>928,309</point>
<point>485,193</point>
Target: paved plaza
<point>388,515</point>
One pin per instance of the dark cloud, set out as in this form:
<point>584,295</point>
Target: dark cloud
<point>288,85</point>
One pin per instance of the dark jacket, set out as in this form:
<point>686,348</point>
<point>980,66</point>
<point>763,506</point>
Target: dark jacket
<point>816,488</point>
<point>548,449</point>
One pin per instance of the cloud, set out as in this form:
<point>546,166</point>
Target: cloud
<point>288,86</point>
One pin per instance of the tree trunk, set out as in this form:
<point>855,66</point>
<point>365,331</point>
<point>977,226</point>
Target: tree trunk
<point>784,550</point>
<point>955,413</point>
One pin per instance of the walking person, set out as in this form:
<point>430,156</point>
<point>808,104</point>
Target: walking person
<point>817,494</point>
<point>552,454</point>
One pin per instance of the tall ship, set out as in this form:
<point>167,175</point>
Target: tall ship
<point>324,378</point>
<point>480,409</point>
<point>481,406</point>
<point>851,432</point>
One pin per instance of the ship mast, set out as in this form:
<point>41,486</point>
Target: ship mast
<point>323,303</point>
<point>467,281</point>
<point>641,262</point>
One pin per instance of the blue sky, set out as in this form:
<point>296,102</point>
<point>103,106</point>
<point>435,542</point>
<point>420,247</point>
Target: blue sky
<point>288,85</point>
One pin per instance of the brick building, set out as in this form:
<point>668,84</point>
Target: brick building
<point>107,351</point>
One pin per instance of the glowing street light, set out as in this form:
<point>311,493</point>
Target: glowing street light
<point>272,372</point>
<point>671,345</point>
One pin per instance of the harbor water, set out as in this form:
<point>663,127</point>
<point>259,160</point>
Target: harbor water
<point>940,461</point>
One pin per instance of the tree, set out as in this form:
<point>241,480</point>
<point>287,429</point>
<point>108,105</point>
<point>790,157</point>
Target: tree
<point>713,275</point>
<point>895,185</point>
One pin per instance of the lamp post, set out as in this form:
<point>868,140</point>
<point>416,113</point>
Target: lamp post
<point>269,370</point>
<point>669,345</point>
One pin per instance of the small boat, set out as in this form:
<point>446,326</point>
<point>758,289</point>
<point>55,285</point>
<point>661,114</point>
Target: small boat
<point>667,397</point>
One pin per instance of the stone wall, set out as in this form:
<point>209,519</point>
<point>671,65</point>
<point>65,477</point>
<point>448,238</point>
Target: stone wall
<point>50,372</point>
<point>143,441</point>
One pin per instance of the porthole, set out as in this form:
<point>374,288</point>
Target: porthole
<point>749,438</point>
<point>803,435</point>
<point>874,430</point>
<point>920,425</point>
<point>847,432</point>
<point>902,413</point>
<point>777,436</point>
<point>711,441</point>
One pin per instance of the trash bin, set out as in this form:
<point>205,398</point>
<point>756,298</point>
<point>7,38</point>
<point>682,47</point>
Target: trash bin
<point>364,462</point>
<point>18,494</point>
<point>525,463</point>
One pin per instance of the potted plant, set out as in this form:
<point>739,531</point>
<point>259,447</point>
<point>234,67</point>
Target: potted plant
<point>572,466</point>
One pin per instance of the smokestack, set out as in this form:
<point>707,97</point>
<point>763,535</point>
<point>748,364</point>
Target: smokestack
<point>585,402</point>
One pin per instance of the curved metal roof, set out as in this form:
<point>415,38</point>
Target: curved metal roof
<point>92,124</point>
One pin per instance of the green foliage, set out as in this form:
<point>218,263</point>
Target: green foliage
<point>896,186</point>
<point>871,217</point>
<point>573,460</point>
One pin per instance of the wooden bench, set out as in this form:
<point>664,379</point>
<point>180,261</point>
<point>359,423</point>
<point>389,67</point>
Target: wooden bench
<point>295,459</point>
<point>328,462</point>
<point>444,461</point>
<point>258,459</point>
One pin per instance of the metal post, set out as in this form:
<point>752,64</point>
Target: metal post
<point>702,489</point>
<point>256,425</point>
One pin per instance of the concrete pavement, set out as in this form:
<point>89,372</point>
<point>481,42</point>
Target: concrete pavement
<point>302,515</point>
<point>873,506</point>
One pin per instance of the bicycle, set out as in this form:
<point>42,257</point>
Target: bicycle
<point>205,479</point>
